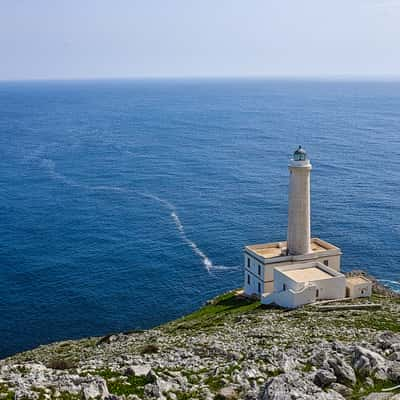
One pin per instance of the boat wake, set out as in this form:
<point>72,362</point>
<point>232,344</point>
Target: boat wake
<point>178,223</point>
<point>206,261</point>
<point>50,166</point>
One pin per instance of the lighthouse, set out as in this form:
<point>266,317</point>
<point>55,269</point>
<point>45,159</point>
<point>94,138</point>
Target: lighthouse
<point>299,230</point>
<point>300,270</point>
<point>261,261</point>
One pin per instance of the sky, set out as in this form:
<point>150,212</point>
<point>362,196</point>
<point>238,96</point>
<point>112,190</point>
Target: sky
<point>81,39</point>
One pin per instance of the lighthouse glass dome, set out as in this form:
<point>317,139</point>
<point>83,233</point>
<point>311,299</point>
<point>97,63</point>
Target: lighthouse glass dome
<point>300,154</point>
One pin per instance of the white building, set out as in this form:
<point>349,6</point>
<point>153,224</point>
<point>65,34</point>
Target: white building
<point>265,263</point>
<point>261,259</point>
<point>358,286</point>
<point>299,284</point>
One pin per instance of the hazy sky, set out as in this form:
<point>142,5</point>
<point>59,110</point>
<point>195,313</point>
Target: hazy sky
<point>152,38</point>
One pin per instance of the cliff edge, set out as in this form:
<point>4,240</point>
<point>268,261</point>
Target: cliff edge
<point>232,348</point>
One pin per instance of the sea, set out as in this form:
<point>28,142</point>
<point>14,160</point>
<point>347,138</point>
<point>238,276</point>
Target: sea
<point>127,203</point>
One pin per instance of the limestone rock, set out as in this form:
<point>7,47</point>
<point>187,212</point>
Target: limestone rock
<point>395,356</point>
<point>158,387</point>
<point>293,386</point>
<point>368,362</point>
<point>251,373</point>
<point>319,359</point>
<point>343,371</point>
<point>95,389</point>
<point>227,393</point>
<point>235,355</point>
<point>394,372</point>
<point>387,339</point>
<point>324,378</point>
<point>379,396</point>
<point>342,389</point>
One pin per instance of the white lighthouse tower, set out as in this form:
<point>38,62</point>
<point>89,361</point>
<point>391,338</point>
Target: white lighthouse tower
<point>299,230</point>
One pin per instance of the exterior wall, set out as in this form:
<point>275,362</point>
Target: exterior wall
<point>268,287</point>
<point>292,299</point>
<point>333,262</point>
<point>282,281</point>
<point>299,230</point>
<point>359,290</point>
<point>254,272</point>
<point>269,272</point>
<point>333,288</point>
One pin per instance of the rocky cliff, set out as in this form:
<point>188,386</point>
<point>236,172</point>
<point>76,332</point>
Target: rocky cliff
<point>232,348</point>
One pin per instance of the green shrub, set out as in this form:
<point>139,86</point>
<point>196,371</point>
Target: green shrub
<point>57,363</point>
<point>150,349</point>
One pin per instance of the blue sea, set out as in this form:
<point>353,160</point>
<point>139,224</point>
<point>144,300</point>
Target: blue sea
<point>126,204</point>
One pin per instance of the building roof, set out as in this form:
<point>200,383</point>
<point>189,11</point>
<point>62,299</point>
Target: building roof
<point>279,249</point>
<point>357,280</point>
<point>306,274</point>
<point>269,250</point>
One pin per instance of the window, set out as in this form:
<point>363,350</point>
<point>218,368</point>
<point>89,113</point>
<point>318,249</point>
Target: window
<point>317,293</point>
<point>284,286</point>
<point>259,269</point>
<point>248,262</point>
<point>362,291</point>
<point>326,262</point>
<point>259,287</point>
<point>248,279</point>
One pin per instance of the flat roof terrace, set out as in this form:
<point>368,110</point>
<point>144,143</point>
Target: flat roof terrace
<point>357,280</point>
<point>278,249</point>
<point>307,274</point>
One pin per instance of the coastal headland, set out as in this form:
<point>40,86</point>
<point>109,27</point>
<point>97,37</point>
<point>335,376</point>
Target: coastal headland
<point>232,348</point>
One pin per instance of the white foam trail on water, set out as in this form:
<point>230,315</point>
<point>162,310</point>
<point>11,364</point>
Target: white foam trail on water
<point>50,166</point>
<point>226,268</point>
<point>166,203</point>
<point>206,261</point>
<point>181,229</point>
<point>112,189</point>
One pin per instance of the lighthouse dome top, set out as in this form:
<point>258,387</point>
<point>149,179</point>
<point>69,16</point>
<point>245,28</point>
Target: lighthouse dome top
<point>300,154</point>
<point>300,159</point>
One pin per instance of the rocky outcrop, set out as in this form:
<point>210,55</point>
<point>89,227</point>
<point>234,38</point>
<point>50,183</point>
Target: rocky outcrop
<point>370,363</point>
<point>324,378</point>
<point>290,386</point>
<point>343,371</point>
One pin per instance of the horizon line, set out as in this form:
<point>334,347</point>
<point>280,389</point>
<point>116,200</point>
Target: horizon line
<point>310,78</point>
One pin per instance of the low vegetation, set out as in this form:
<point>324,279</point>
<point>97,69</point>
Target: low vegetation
<point>232,342</point>
<point>6,393</point>
<point>216,312</point>
<point>124,385</point>
<point>363,389</point>
<point>57,363</point>
<point>150,348</point>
